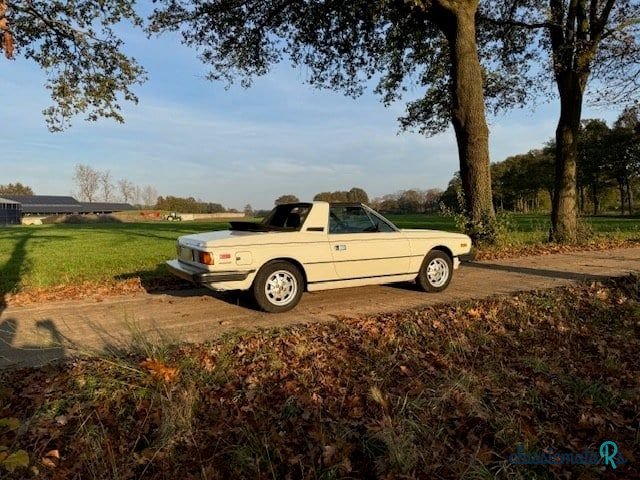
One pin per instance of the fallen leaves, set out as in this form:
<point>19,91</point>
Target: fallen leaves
<point>160,371</point>
<point>50,459</point>
<point>511,251</point>
<point>422,393</point>
<point>13,461</point>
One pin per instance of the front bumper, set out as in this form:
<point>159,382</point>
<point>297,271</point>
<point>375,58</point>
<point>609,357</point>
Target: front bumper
<point>467,257</point>
<point>199,276</point>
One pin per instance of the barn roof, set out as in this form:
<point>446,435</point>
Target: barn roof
<point>6,200</point>
<point>55,204</point>
<point>43,200</point>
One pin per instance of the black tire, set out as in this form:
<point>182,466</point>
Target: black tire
<point>436,272</point>
<point>278,287</point>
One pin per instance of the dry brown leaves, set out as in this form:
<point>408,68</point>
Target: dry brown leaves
<point>160,371</point>
<point>427,393</point>
<point>512,251</point>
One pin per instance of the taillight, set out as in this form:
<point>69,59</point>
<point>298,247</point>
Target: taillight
<point>205,258</point>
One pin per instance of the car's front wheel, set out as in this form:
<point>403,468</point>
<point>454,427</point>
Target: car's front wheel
<point>278,287</point>
<point>435,272</point>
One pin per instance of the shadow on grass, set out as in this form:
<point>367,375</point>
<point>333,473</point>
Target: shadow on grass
<point>11,274</point>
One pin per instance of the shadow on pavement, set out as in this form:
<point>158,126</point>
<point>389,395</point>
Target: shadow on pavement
<point>10,355</point>
<point>538,272</point>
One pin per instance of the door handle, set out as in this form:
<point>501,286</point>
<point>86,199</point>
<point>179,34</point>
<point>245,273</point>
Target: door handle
<point>340,248</point>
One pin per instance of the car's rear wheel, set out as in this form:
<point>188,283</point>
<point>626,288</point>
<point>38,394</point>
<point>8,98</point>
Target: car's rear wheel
<point>436,272</point>
<point>278,287</point>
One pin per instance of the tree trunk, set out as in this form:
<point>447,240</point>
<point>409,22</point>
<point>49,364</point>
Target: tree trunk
<point>595,198</point>
<point>469,121</point>
<point>564,219</point>
<point>629,198</point>
<point>621,190</point>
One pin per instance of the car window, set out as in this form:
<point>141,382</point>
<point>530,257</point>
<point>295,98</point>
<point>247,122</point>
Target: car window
<point>350,219</point>
<point>381,223</point>
<point>290,216</point>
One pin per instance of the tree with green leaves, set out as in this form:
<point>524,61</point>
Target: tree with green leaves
<point>411,201</point>
<point>582,41</point>
<point>519,180</point>
<point>356,194</point>
<point>624,155</point>
<point>432,45</point>
<point>77,45</point>
<point>592,162</point>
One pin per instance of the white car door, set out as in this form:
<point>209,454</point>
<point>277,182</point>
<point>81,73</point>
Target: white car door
<point>363,246</point>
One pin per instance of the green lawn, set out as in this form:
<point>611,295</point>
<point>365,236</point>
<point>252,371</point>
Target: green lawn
<point>519,222</point>
<point>41,256</point>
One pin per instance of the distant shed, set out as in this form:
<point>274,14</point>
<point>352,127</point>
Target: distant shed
<point>10,212</point>
<point>42,205</point>
<point>45,205</point>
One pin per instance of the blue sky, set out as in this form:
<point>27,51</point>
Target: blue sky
<point>192,137</point>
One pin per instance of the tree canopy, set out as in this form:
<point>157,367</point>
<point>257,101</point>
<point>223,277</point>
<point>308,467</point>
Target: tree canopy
<point>77,45</point>
<point>356,194</point>
<point>344,46</point>
<point>15,189</point>
<point>286,199</point>
<point>402,47</point>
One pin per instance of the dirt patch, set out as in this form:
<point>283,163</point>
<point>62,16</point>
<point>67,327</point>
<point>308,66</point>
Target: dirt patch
<point>80,219</point>
<point>95,290</point>
<point>28,332</point>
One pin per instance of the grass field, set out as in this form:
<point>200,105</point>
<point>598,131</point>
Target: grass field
<point>43,256</point>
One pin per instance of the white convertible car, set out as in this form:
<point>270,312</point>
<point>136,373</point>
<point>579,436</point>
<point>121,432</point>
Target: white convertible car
<point>316,246</point>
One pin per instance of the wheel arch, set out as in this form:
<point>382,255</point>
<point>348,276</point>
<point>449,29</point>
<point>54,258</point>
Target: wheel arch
<point>444,249</point>
<point>293,262</point>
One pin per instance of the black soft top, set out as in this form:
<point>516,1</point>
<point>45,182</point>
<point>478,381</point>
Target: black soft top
<point>287,217</point>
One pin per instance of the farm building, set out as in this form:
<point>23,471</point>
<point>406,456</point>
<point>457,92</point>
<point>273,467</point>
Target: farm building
<point>45,205</point>
<point>10,212</point>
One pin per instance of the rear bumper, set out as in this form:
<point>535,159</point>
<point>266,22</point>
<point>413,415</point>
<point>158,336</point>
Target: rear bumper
<point>199,276</point>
